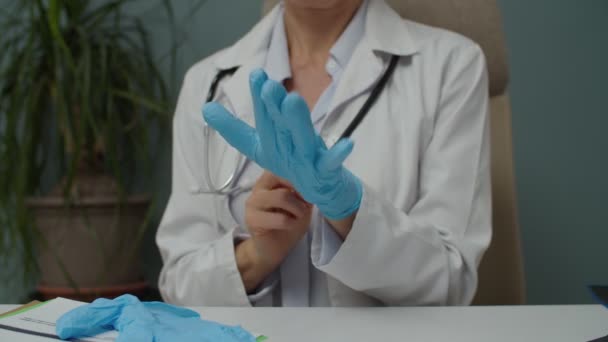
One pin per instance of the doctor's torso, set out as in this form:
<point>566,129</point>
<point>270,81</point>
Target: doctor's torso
<point>425,132</point>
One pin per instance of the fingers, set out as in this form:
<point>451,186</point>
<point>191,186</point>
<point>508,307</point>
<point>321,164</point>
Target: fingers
<point>257,78</point>
<point>297,118</point>
<point>268,181</point>
<point>333,158</point>
<point>283,128</point>
<point>236,132</point>
<point>264,124</point>
<point>268,220</point>
<point>282,201</point>
<point>273,94</point>
<point>91,319</point>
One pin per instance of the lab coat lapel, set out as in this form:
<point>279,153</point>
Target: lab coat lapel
<point>361,74</point>
<point>385,35</point>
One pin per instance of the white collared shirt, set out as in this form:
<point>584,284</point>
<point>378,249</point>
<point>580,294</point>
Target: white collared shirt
<point>298,282</point>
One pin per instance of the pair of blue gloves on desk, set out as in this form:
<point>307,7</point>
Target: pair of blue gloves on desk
<point>285,143</point>
<point>145,322</point>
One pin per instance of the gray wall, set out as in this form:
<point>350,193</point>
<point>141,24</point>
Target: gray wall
<point>559,63</point>
<point>559,68</point>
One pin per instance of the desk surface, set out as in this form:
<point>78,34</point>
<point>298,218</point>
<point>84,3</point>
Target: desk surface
<point>524,323</point>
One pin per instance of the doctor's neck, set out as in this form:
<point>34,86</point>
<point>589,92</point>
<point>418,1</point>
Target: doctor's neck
<point>313,26</point>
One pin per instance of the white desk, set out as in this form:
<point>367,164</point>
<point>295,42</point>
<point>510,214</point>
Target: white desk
<point>467,324</point>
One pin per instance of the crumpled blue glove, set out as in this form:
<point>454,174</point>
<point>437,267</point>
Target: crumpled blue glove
<point>285,143</point>
<point>145,322</point>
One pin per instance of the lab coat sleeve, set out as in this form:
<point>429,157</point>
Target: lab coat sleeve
<point>429,255</point>
<point>265,289</point>
<point>199,266</point>
<point>268,285</point>
<point>325,242</point>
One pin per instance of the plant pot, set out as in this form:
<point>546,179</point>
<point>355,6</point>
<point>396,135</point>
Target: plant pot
<point>89,294</point>
<point>90,248</point>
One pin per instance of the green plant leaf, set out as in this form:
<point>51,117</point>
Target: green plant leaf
<point>77,77</point>
<point>140,100</point>
<point>54,18</point>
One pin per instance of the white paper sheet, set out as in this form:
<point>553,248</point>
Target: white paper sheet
<point>41,320</point>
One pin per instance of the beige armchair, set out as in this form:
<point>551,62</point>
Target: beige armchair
<point>501,278</point>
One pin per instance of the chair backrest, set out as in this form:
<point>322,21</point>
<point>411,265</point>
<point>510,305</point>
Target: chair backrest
<point>501,276</point>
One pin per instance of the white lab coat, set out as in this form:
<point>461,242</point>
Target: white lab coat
<point>422,154</point>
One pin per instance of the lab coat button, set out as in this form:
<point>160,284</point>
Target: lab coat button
<point>331,66</point>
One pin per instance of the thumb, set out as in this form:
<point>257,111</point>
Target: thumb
<point>234,130</point>
<point>90,319</point>
<point>333,158</point>
<point>269,181</point>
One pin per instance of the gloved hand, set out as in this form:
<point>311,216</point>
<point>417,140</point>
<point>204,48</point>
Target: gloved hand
<point>285,143</point>
<point>145,322</point>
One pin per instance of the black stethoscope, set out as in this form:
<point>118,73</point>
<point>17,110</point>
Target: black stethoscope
<point>226,186</point>
<point>360,115</point>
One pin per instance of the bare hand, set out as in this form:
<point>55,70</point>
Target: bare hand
<point>277,218</point>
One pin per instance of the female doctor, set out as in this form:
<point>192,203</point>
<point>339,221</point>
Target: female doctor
<point>396,211</point>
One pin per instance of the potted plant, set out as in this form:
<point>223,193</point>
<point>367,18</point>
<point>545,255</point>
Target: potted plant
<point>81,101</point>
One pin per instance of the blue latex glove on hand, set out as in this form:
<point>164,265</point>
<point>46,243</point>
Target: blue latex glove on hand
<point>285,143</point>
<point>145,322</point>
